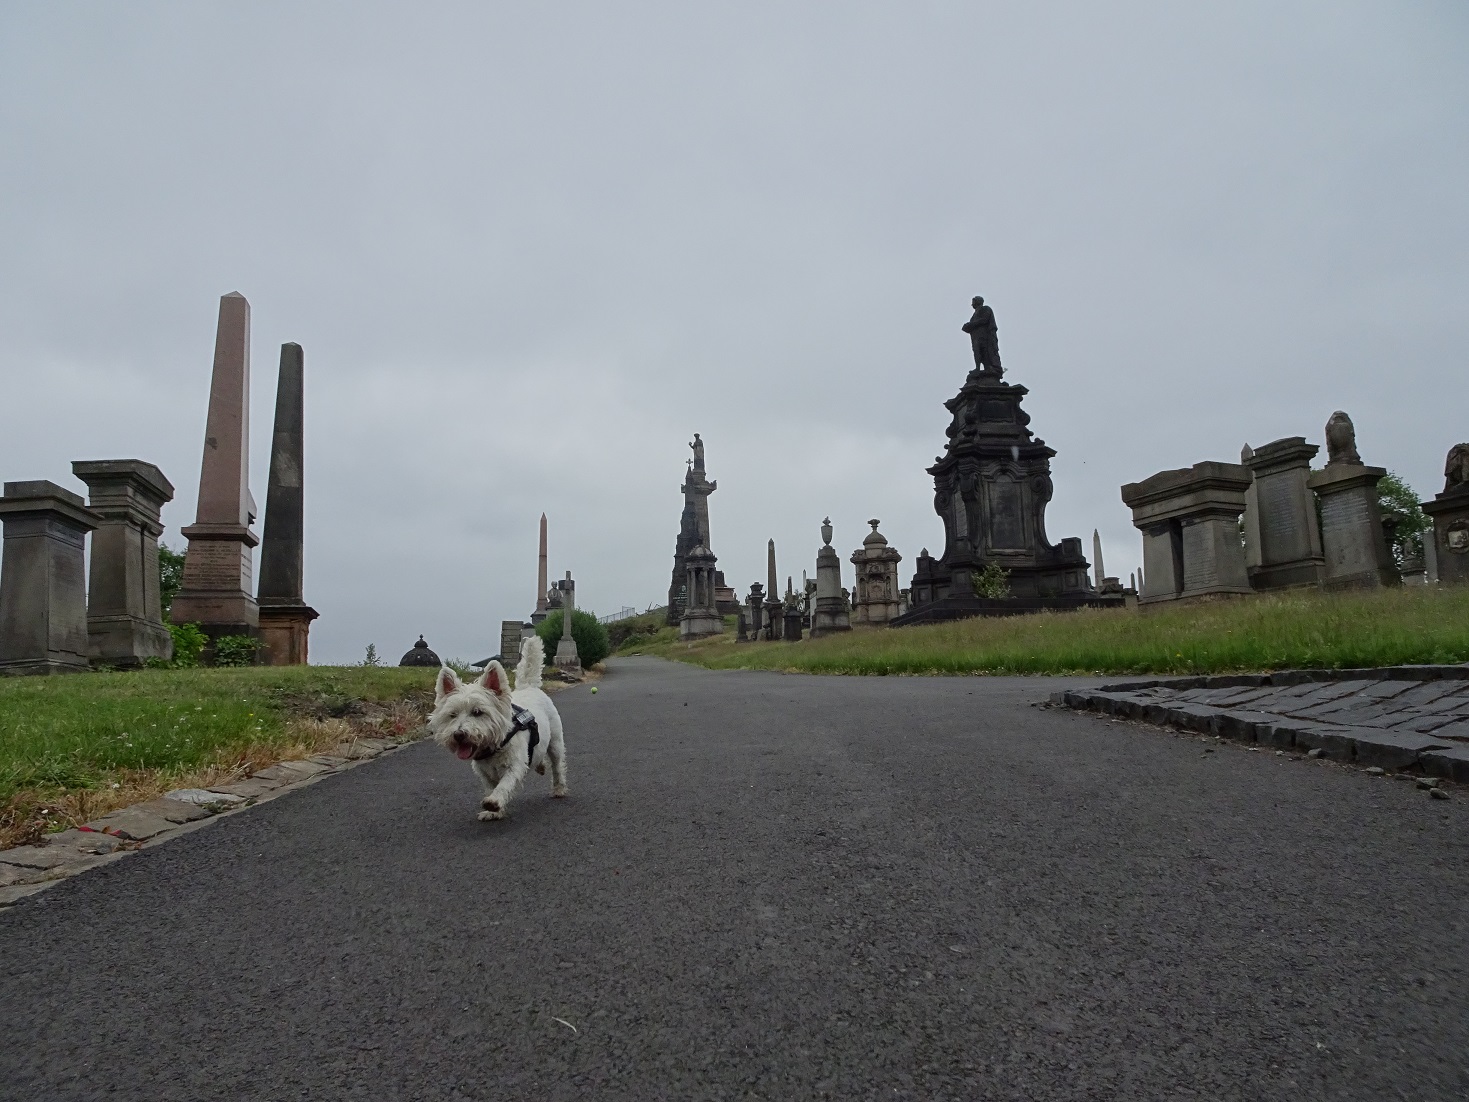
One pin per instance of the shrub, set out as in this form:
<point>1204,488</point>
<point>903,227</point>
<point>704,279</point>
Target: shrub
<point>592,644</point>
<point>170,575</point>
<point>620,631</point>
<point>992,582</point>
<point>188,643</point>
<point>235,650</point>
<point>371,659</point>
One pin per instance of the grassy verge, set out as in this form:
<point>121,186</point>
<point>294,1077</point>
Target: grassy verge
<point>75,747</point>
<point>1305,629</point>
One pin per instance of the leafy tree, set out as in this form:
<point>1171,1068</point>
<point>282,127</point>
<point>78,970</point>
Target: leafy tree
<point>371,658</point>
<point>1402,518</point>
<point>170,575</point>
<point>592,644</point>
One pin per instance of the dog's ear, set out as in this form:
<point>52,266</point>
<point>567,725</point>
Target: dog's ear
<point>495,680</point>
<point>447,682</point>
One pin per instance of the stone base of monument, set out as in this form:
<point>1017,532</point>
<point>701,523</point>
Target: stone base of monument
<point>284,629</point>
<point>699,623</point>
<point>126,642</point>
<point>965,608</point>
<point>567,661</point>
<point>1357,555</point>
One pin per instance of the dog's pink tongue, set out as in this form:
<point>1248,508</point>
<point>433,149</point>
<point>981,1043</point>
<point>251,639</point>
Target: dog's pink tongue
<point>464,752</point>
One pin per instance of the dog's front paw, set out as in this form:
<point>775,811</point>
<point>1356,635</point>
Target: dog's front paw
<point>491,816</point>
<point>560,792</point>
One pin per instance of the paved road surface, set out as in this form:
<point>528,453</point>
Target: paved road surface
<point>775,887</point>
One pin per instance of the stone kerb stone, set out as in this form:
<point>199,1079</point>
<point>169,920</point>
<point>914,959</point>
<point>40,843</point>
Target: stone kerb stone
<point>43,589</point>
<point>1357,555</point>
<point>1189,519</point>
<point>124,606</point>
<point>1282,535</point>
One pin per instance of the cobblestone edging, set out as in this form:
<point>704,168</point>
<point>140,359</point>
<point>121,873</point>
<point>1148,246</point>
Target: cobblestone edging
<point>26,870</point>
<point>1397,718</point>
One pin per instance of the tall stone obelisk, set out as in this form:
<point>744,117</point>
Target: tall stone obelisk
<point>218,578</point>
<point>773,618</point>
<point>285,617</point>
<point>541,611</point>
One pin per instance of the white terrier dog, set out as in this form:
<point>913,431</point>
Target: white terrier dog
<point>503,734</point>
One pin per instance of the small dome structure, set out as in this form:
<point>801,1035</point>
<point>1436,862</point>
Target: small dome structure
<point>420,655</point>
<point>875,538</point>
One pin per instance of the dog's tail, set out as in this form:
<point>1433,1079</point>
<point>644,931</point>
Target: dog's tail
<point>532,658</point>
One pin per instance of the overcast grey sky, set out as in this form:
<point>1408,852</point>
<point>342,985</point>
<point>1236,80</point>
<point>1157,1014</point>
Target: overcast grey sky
<point>530,249</point>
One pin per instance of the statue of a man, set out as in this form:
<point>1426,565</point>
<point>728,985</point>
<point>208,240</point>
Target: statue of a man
<point>984,336</point>
<point>698,446</point>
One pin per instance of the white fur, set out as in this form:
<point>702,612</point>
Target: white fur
<point>475,715</point>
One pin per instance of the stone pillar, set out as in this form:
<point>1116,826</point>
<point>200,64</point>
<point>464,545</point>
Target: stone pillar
<point>43,585</point>
<point>1357,555</point>
<point>756,603</point>
<point>541,585</point>
<point>218,578</point>
<point>1189,519</point>
<point>285,617</point>
<point>1446,548</point>
<point>774,618</point>
<point>510,634</point>
<point>567,660</point>
<point>831,610</point>
<point>124,608</point>
<point>1282,538</point>
<point>701,615</point>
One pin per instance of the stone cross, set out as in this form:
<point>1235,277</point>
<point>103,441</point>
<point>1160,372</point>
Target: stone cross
<point>285,617</point>
<point>43,589</point>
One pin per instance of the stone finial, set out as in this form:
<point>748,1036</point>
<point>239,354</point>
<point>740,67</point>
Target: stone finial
<point>826,531</point>
<point>1341,440</point>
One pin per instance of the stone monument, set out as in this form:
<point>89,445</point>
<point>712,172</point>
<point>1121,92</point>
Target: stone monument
<point>1352,536</point>
<point>43,585</point>
<point>510,636</point>
<point>876,583</point>
<point>774,609</point>
<point>1446,548</point>
<point>791,615</point>
<point>285,617</point>
<point>124,610</point>
<point>1282,538</point>
<point>991,488</point>
<point>830,615</point>
<point>420,655</point>
<point>756,604</point>
<point>217,589</point>
<point>567,660</point>
<point>701,614</point>
<point>1190,519</point>
<point>541,611</point>
<point>693,528</point>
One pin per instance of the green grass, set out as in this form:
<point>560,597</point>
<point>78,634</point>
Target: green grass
<point>1304,629</point>
<point>76,731</point>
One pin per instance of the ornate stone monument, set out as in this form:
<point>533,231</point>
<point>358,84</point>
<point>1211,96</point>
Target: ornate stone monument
<point>701,614</point>
<point>1190,519</point>
<point>541,611</point>
<point>420,655</point>
<point>285,617</point>
<point>124,611</point>
<point>1449,540</point>
<point>1352,537</point>
<point>43,586</point>
<point>876,584</point>
<point>991,488</point>
<point>756,617</point>
<point>567,660</point>
<point>831,613</point>
<point>1282,538</point>
<point>218,591</point>
<point>693,528</point>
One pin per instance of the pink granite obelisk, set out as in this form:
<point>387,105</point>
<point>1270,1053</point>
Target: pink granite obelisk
<point>217,589</point>
<point>541,611</point>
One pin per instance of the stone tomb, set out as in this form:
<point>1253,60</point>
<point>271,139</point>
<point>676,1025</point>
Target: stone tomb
<point>1190,519</point>
<point>830,615</point>
<point>1449,510</point>
<point>43,585</point>
<point>875,600</point>
<point>124,607</point>
<point>1352,537</point>
<point>701,613</point>
<point>1282,539</point>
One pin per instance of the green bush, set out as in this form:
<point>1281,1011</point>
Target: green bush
<point>170,575</point>
<point>235,650</point>
<point>188,643</point>
<point>592,644</point>
<point>647,623</point>
<point>992,582</point>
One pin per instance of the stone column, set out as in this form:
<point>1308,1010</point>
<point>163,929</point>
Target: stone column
<point>1098,570</point>
<point>43,586</point>
<point>1357,555</point>
<point>774,619</point>
<point>1282,537</point>
<point>124,608</point>
<point>756,601</point>
<point>567,660</point>
<point>541,612</point>
<point>285,617</point>
<point>218,579</point>
<point>831,613</point>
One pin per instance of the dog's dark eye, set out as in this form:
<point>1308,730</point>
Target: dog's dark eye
<point>476,712</point>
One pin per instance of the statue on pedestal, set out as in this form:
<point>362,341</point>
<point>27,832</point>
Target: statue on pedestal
<point>984,337</point>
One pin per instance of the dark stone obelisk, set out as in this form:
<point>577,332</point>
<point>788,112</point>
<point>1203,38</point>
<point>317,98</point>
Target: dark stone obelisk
<point>285,617</point>
<point>217,586</point>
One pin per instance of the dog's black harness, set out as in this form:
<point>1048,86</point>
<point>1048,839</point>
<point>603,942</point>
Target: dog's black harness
<point>525,720</point>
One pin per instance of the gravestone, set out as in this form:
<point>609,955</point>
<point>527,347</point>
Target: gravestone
<point>693,530</point>
<point>774,614</point>
<point>701,615</point>
<point>1189,519</point>
<point>876,582</point>
<point>285,617</point>
<point>1446,548</point>
<point>217,592</point>
<point>43,587</point>
<point>756,604</point>
<point>831,614</point>
<point>1282,538</point>
<point>567,660</point>
<point>124,608</point>
<point>791,614</point>
<point>991,489</point>
<point>1352,536</point>
<point>542,611</point>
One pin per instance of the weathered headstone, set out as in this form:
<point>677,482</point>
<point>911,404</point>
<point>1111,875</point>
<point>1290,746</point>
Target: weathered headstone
<point>285,617</point>
<point>701,614</point>
<point>567,660</point>
<point>1282,538</point>
<point>124,610</point>
<point>1448,543</point>
<point>217,590</point>
<point>1352,536</point>
<point>541,611</point>
<point>876,582</point>
<point>831,613</point>
<point>43,585</point>
<point>791,614</point>
<point>1189,519</point>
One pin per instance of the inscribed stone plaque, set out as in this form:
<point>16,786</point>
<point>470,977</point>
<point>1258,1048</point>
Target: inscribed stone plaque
<point>1345,515</point>
<point>1200,565</point>
<point>1282,528</point>
<point>1007,521</point>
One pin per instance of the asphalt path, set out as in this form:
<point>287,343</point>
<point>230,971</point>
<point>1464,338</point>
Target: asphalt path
<point>777,887</point>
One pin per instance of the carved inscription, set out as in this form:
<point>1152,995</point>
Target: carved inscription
<point>1200,564</point>
<point>1282,528</point>
<point>1346,530</point>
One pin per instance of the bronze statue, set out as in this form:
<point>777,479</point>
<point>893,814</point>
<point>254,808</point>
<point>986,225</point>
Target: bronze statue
<point>984,337</point>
